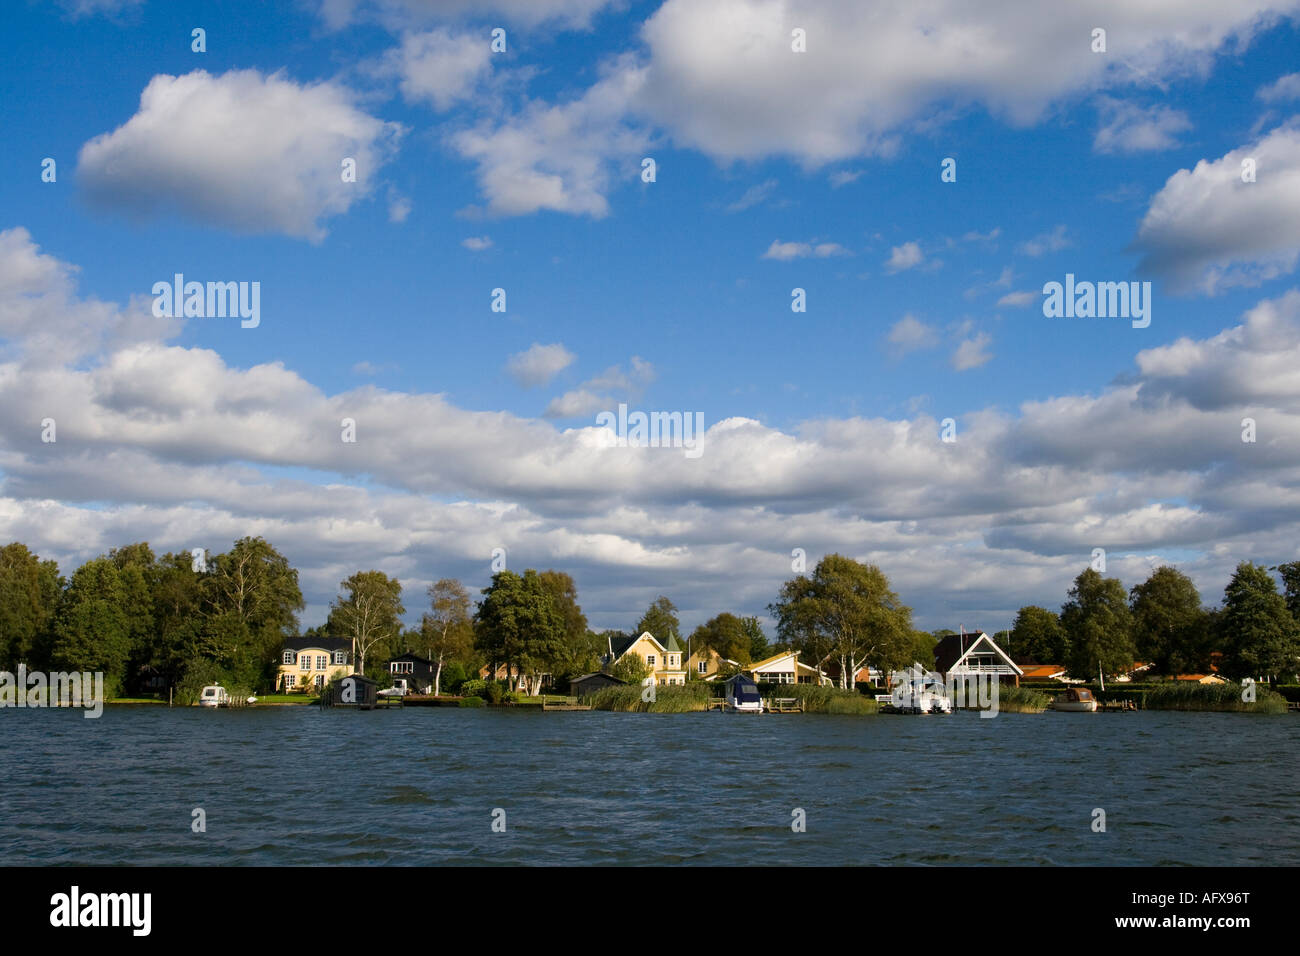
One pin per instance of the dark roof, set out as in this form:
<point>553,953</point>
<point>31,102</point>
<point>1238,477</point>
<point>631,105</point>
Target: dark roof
<point>950,648</point>
<point>621,646</point>
<point>600,674</point>
<point>411,657</point>
<point>324,643</point>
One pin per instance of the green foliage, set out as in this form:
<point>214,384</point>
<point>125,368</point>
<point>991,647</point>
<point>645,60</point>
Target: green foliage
<point>630,668</point>
<point>728,635</point>
<point>369,615</point>
<point>847,612</point>
<point>1037,637</point>
<point>519,624</point>
<point>823,699</point>
<point>1189,695</point>
<point>660,619</point>
<point>446,634</point>
<point>1098,625</point>
<point>1021,700</point>
<point>471,702</point>
<point>29,592</point>
<point>474,687</point>
<point>1258,633</point>
<point>1169,627</point>
<point>669,699</point>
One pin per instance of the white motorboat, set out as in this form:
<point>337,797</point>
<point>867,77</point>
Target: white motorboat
<point>214,695</point>
<point>1075,700</point>
<point>920,693</point>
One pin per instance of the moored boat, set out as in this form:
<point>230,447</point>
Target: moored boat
<point>1075,700</point>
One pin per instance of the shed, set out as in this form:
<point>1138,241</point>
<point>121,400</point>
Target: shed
<point>355,690</point>
<point>590,683</point>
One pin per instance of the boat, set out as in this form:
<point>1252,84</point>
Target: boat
<point>214,695</point>
<point>1075,700</point>
<point>919,693</point>
<point>742,696</point>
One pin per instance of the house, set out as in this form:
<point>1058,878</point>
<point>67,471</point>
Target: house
<point>309,663</point>
<point>707,664</point>
<point>970,655</point>
<point>519,682</point>
<point>1039,672</point>
<point>412,673</point>
<point>662,659</point>
<point>785,668</point>
<point>590,683</point>
<point>355,690</point>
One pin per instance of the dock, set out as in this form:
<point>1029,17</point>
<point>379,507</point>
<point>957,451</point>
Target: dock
<point>784,705</point>
<point>569,703</point>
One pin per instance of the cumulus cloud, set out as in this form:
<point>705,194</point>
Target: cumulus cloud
<point>538,364</point>
<point>439,67</point>
<point>243,150</point>
<point>574,14</point>
<point>1283,88</point>
<point>477,243</point>
<point>1208,230</point>
<point>1019,299</point>
<point>972,352</point>
<point>175,445</point>
<point>753,196</point>
<point>906,256</point>
<point>909,334</point>
<point>1129,128</point>
<point>1040,245</point>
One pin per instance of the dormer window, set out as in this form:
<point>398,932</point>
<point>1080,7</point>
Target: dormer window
<point>289,657</point>
<point>340,657</point>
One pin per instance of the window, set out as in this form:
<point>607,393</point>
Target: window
<point>401,667</point>
<point>703,667</point>
<point>305,662</point>
<point>320,681</point>
<point>289,657</point>
<point>290,680</point>
<point>322,661</point>
<point>340,657</point>
<point>649,660</point>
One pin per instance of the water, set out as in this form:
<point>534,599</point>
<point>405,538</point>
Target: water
<point>298,785</point>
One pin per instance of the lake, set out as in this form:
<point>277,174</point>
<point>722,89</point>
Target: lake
<point>301,785</point>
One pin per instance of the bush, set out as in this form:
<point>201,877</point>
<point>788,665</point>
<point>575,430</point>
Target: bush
<point>669,699</point>
<point>471,702</point>
<point>1021,700</point>
<point>473,688</point>
<point>1187,695</point>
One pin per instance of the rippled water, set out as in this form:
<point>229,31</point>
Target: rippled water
<point>298,785</point>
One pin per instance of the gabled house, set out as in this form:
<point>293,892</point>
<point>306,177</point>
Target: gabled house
<point>707,664</point>
<point>309,663</point>
<point>786,668</point>
<point>414,674</point>
<point>662,659</point>
<point>520,683</point>
<point>973,654</point>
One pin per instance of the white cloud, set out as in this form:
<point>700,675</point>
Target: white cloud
<point>972,352</point>
<point>1208,230</point>
<point>477,243</point>
<point>599,393</point>
<point>843,177</point>
<point>904,257</point>
<point>399,207</point>
<point>1019,299</point>
<point>1053,241</point>
<point>559,158</point>
<point>753,196</point>
<point>538,364</point>
<point>574,14</point>
<point>786,251</point>
<point>723,79</point>
<point>439,67</point>
<point>1129,128</point>
<point>1283,88</point>
<point>174,445</point>
<point>242,150</point>
<point>909,334</point>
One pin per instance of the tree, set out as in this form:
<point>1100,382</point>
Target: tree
<point>727,635</point>
<point>758,646</point>
<point>631,669</point>
<point>252,600</point>
<point>1037,637</point>
<point>1259,633</point>
<point>447,631</point>
<point>1168,623</point>
<point>1290,574</point>
<point>370,614</point>
<point>518,624</point>
<point>29,595</point>
<point>1098,625</point>
<point>579,650</point>
<point>92,631</point>
<point>846,612</point>
<point>660,619</point>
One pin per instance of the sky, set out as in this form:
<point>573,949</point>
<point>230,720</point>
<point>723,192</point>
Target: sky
<point>920,170</point>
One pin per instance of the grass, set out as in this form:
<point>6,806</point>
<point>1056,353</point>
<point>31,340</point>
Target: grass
<point>1223,698</point>
<point>828,700</point>
<point>675,699</point>
<point>1021,700</point>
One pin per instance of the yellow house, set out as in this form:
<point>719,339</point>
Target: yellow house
<point>786,668</point>
<point>707,664</point>
<point>663,660</point>
<point>309,663</point>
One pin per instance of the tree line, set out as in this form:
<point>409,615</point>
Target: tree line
<point>182,621</point>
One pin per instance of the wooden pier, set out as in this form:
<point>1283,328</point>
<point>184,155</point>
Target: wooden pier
<point>569,703</point>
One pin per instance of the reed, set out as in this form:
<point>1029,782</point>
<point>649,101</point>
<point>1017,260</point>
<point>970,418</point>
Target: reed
<point>674,699</point>
<point>1021,700</point>
<point>1226,698</point>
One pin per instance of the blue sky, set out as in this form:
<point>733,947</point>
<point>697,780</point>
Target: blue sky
<point>1062,155</point>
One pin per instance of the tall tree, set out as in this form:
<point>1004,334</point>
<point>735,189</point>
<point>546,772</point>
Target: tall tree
<point>447,631</point>
<point>253,600</point>
<point>574,655</point>
<point>725,634</point>
<point>1168,623</point>
<point>369,612</point>
<point>1290,574</point>
<point>518,624</point>
<point>846,612</point>
<point>1098,626</point>
<point>92,631</point>
<point>758,646</point>
<point>1037,637</point>
<point>660,619</point>
<point>1258,632</point>
<point>29,594</point>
